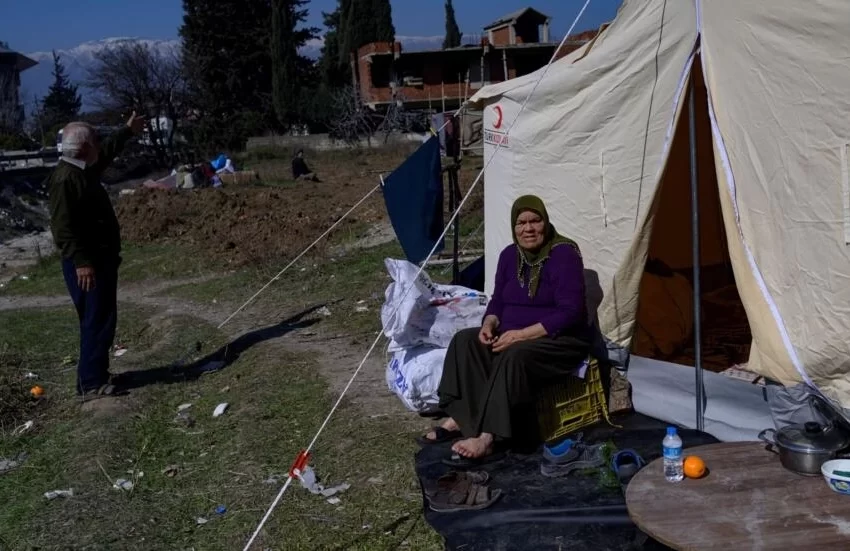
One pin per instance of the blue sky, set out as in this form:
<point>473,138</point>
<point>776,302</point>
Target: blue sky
<point>40,25</point>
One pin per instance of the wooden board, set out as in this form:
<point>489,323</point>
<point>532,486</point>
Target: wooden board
<point>747,501</point>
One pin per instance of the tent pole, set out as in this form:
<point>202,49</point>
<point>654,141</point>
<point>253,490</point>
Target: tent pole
<point>695,236</point>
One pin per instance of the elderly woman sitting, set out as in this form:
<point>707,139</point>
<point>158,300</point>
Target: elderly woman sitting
<point>534,332</point>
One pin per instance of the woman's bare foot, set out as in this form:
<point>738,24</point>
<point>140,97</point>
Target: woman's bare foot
<point>475,448</point>
<point>449,425</point>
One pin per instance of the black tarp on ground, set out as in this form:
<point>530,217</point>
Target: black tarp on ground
<point>542,513</point>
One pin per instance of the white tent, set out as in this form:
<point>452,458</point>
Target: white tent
<point>604,141</point>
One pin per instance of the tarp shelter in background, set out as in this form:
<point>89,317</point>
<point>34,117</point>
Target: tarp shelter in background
<point>413,194</point>
<point>604,141</point>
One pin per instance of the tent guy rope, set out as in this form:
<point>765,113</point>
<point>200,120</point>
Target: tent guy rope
<point>303,457</point>
<point>318,239</point>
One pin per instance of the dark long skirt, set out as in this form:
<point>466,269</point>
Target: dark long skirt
<point>480,389</point>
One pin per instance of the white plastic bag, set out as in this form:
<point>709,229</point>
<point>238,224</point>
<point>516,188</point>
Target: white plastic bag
<point>430,314</point>
<point>414,376</point>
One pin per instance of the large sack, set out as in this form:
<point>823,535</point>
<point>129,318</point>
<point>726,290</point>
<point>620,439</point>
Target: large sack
<point>414,376</point>
<point>429,314</point>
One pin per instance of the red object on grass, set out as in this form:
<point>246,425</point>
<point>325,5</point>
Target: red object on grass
<point>300,462</point>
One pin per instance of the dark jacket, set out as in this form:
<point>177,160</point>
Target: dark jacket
<point>82,220</point>
<point>299,167</point>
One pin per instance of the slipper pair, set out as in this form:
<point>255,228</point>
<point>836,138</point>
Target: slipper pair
<point>103,391</point>
<point>461,491</point>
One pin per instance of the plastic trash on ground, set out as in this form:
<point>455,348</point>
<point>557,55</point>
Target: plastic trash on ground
<point>53,494</point>
<point>309,481</point>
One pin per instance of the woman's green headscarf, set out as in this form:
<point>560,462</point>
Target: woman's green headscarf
<point>535,259</point>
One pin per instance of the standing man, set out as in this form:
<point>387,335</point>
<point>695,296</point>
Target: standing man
<point>85,230</point>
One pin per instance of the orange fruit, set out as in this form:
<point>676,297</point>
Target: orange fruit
<point>694,467</point>
<point>36,391</point>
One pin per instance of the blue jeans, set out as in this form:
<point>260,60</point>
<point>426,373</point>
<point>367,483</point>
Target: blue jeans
<point>97,311</point>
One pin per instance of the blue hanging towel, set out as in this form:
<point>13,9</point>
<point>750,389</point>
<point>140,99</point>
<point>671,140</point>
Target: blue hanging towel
<point>413,194</point>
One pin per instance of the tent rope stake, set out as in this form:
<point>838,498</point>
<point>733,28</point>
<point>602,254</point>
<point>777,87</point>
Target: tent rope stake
<point>304,454</point>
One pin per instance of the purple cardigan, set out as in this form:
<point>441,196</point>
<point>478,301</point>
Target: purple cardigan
<point>560,300</point>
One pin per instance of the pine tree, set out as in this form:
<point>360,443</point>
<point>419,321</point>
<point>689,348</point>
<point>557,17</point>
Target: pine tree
<point>363,22</point>
<point>62,103</point>
<point>288,68</point>
<point>453,34</point>
<point>335,72</point>
<point>227,54</point>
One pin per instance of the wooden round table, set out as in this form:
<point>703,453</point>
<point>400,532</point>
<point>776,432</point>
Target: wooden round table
<point>748,501</point>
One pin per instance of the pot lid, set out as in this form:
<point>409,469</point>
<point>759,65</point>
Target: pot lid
<point>811,438</point>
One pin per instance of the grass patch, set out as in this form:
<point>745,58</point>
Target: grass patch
<point>277,401</point>
<point>354,283</point>
<point>140,263</point>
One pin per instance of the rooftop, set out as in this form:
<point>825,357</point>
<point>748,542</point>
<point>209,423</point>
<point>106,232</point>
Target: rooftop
<point>21,62</point>
<point>513,17</point>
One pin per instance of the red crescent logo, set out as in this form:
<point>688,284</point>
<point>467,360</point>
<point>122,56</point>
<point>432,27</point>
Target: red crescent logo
<point>498,123</point>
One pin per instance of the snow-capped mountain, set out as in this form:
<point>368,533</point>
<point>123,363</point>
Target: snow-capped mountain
<point>77,60</point>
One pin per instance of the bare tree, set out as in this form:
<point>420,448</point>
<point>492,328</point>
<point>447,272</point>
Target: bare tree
<point>134,76</point>
<point>350,120</point>
<point>398,120</point>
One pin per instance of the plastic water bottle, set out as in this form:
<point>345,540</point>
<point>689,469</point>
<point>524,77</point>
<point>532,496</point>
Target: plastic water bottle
<point>673,470</point>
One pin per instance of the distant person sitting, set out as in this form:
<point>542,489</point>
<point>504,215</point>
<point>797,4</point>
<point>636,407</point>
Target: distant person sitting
<point>300,170</point>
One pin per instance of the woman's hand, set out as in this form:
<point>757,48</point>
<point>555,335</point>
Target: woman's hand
<point>508,338</point>
<point>487,335</point>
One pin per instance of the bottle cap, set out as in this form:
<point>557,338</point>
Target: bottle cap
<point>671,431</point>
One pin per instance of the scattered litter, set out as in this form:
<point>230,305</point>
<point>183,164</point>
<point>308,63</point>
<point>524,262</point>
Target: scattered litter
<point>25,277</point>
<point>171,470</point>
<point>212,365</point>
<point>7,465</point>
<point>37,391</point>
<point>274,479</point>
<point>324,311</point>
<point>375,480</point>
<point>123,484</point>
<point>220,510</point>
<point>67,360</point>
<point>23,428</point>
<point>30,375</point>
<point>361,302</point>
<point>120,351</point>
<point>362,309</point>
<point>185,406</point>
<point>334,500</point>
<point>183,418</point>
<point>310,481</point>
<point>202,520</point>
<point>225,389</point>
<point>126,192</point>
<point>220,409</point>
<point>53,494</point>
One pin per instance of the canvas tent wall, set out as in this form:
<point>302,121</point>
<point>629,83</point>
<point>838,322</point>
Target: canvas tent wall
<point>597,141</point>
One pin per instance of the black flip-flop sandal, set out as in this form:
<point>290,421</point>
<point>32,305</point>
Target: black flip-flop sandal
<point>442,435</point>
<point>459,462</point>
<point>465,495</point>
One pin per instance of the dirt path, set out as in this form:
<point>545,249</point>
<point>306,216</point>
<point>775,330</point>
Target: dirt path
<point>337,354</point>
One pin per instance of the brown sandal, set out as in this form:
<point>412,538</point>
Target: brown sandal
<point>463,495</point>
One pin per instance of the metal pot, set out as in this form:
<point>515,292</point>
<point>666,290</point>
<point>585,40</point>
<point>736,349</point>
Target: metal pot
<point>803,449</point>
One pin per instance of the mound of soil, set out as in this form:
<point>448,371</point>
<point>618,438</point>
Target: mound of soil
<point>243,225</point>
